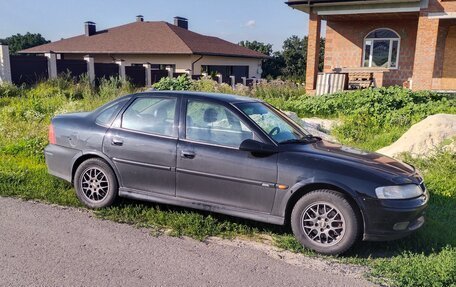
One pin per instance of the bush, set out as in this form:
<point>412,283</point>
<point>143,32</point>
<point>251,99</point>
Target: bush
<point>113,88</point>
<point>372,118</point>
<point>207,84</point>
<point>181,83</point>
<point>9,90</point>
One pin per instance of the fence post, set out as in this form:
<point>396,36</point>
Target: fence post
<point>244,81</point>
<point>90,68</point>
<point>220,78</point>
<point>52,64</point>
<point>122,74</point>
<point>148,74</point>
<point>170,71</point>
<point>233,81</point>
<point>5,66</point>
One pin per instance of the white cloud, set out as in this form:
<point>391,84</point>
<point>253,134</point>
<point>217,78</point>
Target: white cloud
<point>250,24</point>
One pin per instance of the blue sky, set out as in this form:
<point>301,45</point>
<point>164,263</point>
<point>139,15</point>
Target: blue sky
<point>268,21</point>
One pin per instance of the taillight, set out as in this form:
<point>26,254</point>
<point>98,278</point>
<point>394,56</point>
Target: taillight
<point>51,134</point>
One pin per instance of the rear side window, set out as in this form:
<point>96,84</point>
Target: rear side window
<point>151,115</point>
<point>107,115</point>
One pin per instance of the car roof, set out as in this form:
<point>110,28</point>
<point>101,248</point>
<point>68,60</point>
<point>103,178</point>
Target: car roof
<point>228,98</point>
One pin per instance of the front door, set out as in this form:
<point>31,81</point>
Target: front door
<point>210,166</point>
<point>143,145</point>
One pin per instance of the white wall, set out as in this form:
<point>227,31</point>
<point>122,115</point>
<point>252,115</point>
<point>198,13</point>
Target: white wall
<point>253,64</point>
<point>182,62</point>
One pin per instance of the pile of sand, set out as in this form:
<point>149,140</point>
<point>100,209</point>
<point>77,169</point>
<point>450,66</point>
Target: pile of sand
<point>424,138</point>
<point>315,126</point>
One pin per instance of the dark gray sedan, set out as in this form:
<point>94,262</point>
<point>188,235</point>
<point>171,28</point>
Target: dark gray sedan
<point>237,156</point>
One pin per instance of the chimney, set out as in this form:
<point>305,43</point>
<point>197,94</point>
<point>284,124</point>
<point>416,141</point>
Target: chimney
<point>90,28</point>
<point>181,22</point>
<point>140,18</point>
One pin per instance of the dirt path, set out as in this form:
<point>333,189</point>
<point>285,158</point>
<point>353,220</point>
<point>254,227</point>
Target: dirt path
<point>44,245</point>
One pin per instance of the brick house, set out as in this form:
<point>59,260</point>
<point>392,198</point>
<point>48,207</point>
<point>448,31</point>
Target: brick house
<point>162,45</point>
<point>400,42</point>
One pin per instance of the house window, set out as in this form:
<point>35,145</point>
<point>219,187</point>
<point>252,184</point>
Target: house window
<point>381,49</point>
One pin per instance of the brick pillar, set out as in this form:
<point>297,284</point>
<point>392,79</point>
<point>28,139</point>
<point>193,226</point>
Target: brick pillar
<point>313,51</point>
<point>426,44</point>
<point>148,75</point>
<point>52,64</point>
<point>5,66</point>
<point>90,69</point>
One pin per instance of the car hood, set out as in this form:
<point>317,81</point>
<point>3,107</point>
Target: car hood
<point>364,159</point>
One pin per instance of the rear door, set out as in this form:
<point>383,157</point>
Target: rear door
<point>142,144</point>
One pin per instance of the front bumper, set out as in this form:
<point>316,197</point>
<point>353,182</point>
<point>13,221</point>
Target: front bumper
<point>393,219</point>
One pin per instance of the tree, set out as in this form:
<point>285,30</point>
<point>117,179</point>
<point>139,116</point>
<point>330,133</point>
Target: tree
<point>295,57</point>
<point>273,66</point>
<point>257,46</point>
<point>20,42</point>
<point>291,62</point>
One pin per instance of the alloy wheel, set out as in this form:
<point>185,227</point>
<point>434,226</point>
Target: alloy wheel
<point>323,224</point>
<point>94,184</point>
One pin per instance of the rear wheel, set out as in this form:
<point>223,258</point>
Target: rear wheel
<point>324,221</point>
<point>95,183</point>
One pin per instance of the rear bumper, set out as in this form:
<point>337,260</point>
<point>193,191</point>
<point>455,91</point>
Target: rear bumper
<point>393,219</point>
<point>59,160</point>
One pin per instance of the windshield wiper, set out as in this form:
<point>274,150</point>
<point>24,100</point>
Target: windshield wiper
<point>305,139</point>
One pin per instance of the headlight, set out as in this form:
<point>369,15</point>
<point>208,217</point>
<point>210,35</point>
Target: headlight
<point>398,191</point>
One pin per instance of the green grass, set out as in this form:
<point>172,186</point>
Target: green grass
<point>371,119</point>
<point>175,222</point>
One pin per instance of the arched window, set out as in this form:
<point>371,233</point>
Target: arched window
<point>381,49</point>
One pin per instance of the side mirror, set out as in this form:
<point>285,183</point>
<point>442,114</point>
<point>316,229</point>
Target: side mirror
<point>256,147</point>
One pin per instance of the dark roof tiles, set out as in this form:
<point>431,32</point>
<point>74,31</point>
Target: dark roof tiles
<point>146,38</point>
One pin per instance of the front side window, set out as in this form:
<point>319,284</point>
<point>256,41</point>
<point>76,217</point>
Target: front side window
<point>271,122</point>
<point>215,124</point>
<point>151,115</point>
<point>381,49</point>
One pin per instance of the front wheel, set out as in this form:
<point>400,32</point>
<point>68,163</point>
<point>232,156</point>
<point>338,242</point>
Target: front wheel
<point>324,221</point>
<point>95,183</point>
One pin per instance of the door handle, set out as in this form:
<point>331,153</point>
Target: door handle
<point>117,141</point>
<point>187,154</point>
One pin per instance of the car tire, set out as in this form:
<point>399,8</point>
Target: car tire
<point>95,183</point>
<point>325,221</point>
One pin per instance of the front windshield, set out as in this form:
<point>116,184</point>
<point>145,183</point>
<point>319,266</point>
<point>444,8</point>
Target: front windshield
<point>275,125</point>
